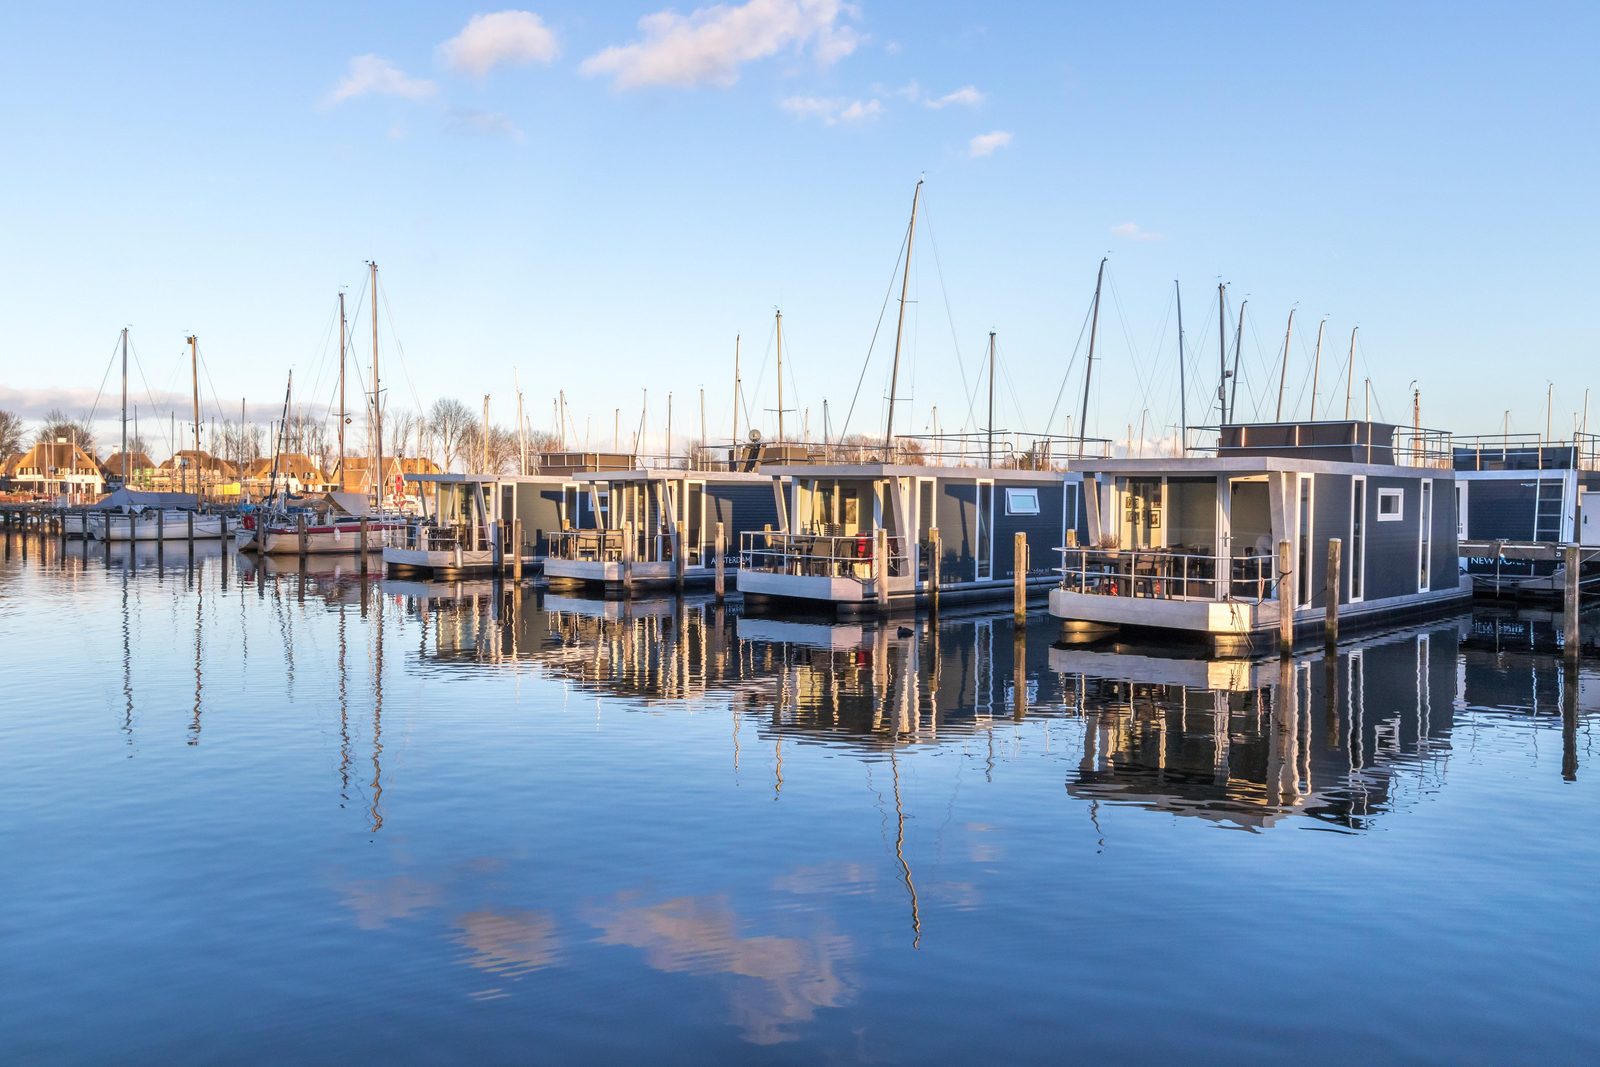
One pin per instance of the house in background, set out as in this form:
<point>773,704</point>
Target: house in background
<point>357,476</point>
<point>55,469</point>
<point>294,472</point>
<point>140,469</point>
<point>194,471</point>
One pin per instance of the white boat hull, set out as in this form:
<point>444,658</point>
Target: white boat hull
<point>153,526</point>
<point>324,540</point>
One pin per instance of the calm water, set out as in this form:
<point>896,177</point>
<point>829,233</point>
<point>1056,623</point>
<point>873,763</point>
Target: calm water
<point>247,816</point>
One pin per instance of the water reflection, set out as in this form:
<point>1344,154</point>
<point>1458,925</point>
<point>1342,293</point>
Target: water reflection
<point>788,819</point>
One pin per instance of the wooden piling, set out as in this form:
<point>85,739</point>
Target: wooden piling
<point>1572,639</point>
<point>680,554</point>
<point>1019,670</point>
<point>880,552</point>
<point>722,576</point>
<point>1286,591</point>
<point>1330,627</point>
<point>628,550</point>
<point>161,535</point>
<point>361,546</point>
<point>305,538</point>
<point>188,519</point>
<point>1019,576</point>
<point>516,551</point>
<point>935,565</point>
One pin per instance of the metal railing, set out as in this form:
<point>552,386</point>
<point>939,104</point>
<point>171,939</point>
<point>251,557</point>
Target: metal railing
<point>609,546</point>
<point>1341,440</point>
<point>1162,575</point>
<point>819,555</point>
<point>1527,451</point>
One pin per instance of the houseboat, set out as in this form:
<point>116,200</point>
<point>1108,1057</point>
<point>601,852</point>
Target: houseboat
<point>1519,498</point>
<point>823,553</point>
<point>466,523</point>
<point>631,537</point>
<point>1189,546</point>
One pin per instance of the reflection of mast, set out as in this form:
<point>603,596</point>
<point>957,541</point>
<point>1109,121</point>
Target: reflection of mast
<point>127,649</point>
<point>377,718</point>
<point>194,727</point>
<point>344,709</point>
<point>900,847</point>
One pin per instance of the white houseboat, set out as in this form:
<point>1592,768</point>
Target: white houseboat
<point>467,522</point>
<point>1189,546</point>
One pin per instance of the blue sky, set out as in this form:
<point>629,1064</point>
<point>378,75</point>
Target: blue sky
<point>607,225</point>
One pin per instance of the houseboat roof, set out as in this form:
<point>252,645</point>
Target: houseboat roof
<point>451,478</point>
<point>914,470</point>
<point>1328,447</point>
<point>674,474</point>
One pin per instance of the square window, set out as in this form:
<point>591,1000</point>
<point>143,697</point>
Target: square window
<point>1022,501</point>
<point>1391,505</point>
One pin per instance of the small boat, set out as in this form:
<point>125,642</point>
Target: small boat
<point>338,533</point>
<point>154,524</point>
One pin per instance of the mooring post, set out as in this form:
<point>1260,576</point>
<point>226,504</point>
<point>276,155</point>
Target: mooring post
<point>722,566</point>
<point>1330,628</point>
<point>516,551</point>
<point>161,536</point>
<point>1569,615</point>
<point>1019,576</point>
<point>305,538</point>
<point>628,548</point>
<point>1019,671</point>
<point>361,546</point>
<point>935,565</point>
<point>188,519</point>
<point>1286,591</point>
<point>680,553</point>
<point>880,552</point>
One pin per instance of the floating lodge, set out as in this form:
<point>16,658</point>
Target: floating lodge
<point>1194,546</point>
<point>864,537</point>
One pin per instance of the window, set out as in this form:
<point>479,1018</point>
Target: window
<point>1425,541</point>
<point>1358,538</point>
<point>1022,501</point>
<point>1391,505</point>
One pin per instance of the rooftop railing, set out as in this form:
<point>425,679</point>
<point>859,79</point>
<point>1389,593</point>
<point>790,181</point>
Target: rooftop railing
<point>1527,451</point>
<point>1339,440</point>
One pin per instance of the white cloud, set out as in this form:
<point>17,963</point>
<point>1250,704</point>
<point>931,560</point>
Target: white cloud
<point>1134,232</point>
<point>985,144</point>
<point>710,44</point>
<point>831,110</point>
<point>968,95</point>
<point>371,75</point>
<point>517,37</point>
<point>491,123</point>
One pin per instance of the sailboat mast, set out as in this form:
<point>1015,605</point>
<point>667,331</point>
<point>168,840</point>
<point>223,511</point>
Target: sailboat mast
<point>1183,390</point>
<point>1316,368</point>
<point>780,375</point>
<point>124,405</point>
<point>375,421</point>
<point>1283,370</point>
<point>343,344</point>
<point>522,431</point>
<point>1350,374</point>
<point>1238,338</point>
<point>1222,351</point>
<point>1088,370</point>
<point>194,382</point>
<point>900,326</point>
<point>991,398</point>
<point>736,390</point>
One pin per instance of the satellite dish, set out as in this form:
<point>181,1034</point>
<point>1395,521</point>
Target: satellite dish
<point>755,437</point>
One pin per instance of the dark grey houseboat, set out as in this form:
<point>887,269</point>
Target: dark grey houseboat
<point>865,537</point>
<point>655,528</point>
<point>1519,498</point>
<point>1190,545</point>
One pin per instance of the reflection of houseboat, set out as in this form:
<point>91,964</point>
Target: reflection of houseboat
<point>1190,545</point>
<point>1518,499</point>
<point>825,551</point>
<point>641,516</point>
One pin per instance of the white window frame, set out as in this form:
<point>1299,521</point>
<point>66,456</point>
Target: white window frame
<point>1425,506</point>
<point>1356,583</point>
<point>1400,509</point>
<point>1016,495</point>
<point>978,558</point>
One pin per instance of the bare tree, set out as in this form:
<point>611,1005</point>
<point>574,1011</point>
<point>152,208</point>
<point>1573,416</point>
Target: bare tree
<point>10,433</point>
<point>58,423</point>
<point>402,427</point>
<point>450,421</point>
